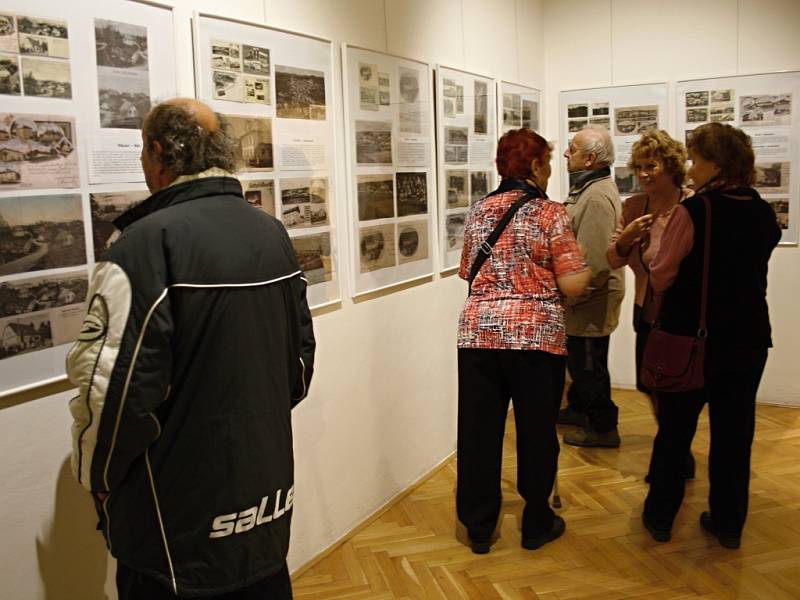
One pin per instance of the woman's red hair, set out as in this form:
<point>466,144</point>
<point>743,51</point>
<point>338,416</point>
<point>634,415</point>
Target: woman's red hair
<point>516,150</point>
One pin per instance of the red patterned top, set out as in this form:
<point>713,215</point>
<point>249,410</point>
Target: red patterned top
<point>515,302</point>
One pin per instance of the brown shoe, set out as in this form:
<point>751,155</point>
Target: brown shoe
<point>592,439</point>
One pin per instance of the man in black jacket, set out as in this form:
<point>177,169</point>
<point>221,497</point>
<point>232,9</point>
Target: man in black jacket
<point>197,344</point>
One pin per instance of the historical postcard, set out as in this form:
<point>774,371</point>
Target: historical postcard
<point>512,110</point>
<point>722,95</point>
<point>635,120</point>
<point>228,86</point>
<point>260,193</point>
<point>575,125</point>
<point>478,185</point>
<point>37,151</point>
<point>412,241</point>
<point>376,247</point>
<point>123,74</point>
<point>697,98</point>
<point>626,181</point>
<point>449,92</point>
<point>43,37</point>
<point>304,202</point>
<point>314,255</point>
<point>460,99</point>
<point>722,113</point>
<point>374,142</point>
<point>772,177</point>
<point>299,93</point>
<point>255,60</point>
<point>375,197</point>
<point>456,145</point>
<point>384,89</point>
<point>456,182</point>
<point>35,294</point>
<point>530,114</point>
<point>763,110</point>
<point>368,86</point>
<point>226,55</point>
<point>696,115</point>
<point>9,75</point>
<point>412,193</point>
<point>599,109</point>
<point>252,137</point>
<point>256,89</point>
<point>481,109</point>
<point>781,208</point>
<point>46,78</point>
<point>410,112</point>
<point>601,122</point>
<point>575,111</point>
<point>454,225</point>
<point>105,207</point>
<point>9,42</point>
<point>41,232</point>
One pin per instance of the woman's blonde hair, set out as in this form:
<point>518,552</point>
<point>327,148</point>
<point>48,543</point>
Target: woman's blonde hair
<point>659,144</point>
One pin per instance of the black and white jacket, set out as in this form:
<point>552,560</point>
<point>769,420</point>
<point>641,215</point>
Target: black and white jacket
<point>197,343</point>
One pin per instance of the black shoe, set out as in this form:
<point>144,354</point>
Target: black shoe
<point>585,436</point>
<point>659,535</point>
<point>480,547</point>
<point>537,541</point>
<point>567,416</point>
<point>728,541</point>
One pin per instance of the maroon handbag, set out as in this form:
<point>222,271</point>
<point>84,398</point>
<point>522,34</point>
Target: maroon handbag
<point>676,363</point>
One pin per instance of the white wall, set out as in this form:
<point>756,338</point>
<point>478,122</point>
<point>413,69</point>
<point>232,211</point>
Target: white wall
<point>619,42</point>
<point>381,412</point>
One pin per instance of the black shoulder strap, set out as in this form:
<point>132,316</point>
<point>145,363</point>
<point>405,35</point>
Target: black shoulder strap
<point>485,249</point>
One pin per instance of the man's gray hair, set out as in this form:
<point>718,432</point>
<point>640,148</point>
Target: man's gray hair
<point>188,148</point>
<point>600,144</point>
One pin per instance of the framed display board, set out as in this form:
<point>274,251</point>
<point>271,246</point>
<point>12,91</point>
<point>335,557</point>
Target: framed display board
<point>466,106</point>
<point>626,111</point>
<point>390,169</point>
<point>76,81</point>
<point>518,106</point>
<point>276,90</point>
<point>763,106</point>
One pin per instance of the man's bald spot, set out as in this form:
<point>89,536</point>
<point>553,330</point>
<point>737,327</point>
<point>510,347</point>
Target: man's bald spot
<point>200,112</point>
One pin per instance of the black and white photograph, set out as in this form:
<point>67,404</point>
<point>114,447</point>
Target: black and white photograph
<point>8,33</point>
<point>412,241</point>
<point>599,109</point>
<point>375,197</point>
<point>304,202</point>
<point>256,89</point>
<point>410,110</point>
<point>38,45</point>
<point>104,208</point>
<point>772,177</point>
<point>23,334</point>
<point>9,75</point>
<point>449,92</point>
<point>260,193</point>
<point>228,85</point>
<point>35,294</point>
<point>374,142</point>
<point>41,232</point>
<point>459,99</point>
<point>722,95</point>
<point>601,122</point>
<point>376,247</point>
<point>456,184</point>
<point>781,208</point>
<point>314,255</point>
<point>723,113</point>
<point>46,78</point>
<point>626,181</point>
<point>226,55</point>
<point>766,110</point>
<point>368,86</point>
<point>55,28</point>
<point>384,89</point>
<point>696,115</point>
<point>456,145</point>
<point>530,114</point>
<point>481,120</point>
<point>697,98</point>
<point>575,125</point>
<point>255,60</point>
<point>454,224</point>
<point>512,110</point>
<point>120,45</point>
<point>635,120</point>
<point>37,151</point>
<point>299,93</point>
<point>252,142</point>
<point>577,111</point>
<point>412,193</point>
<point>478,185</point>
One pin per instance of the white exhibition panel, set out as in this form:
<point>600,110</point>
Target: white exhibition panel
<point>466,105</point>
<point>763,107</point>
<point>626,111</point>
<point>518,106</point>
<point>390,168</point>
<point>92,70</point>
<point>277,90</point>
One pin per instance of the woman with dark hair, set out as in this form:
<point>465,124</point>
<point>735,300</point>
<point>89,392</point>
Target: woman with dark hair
<point>743,233</point>
<point>512,341</point>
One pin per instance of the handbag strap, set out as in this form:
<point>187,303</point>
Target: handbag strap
<point>701,328</point>
<point>485,249</point>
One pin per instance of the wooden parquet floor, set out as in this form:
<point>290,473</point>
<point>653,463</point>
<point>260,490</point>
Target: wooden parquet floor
<point>415,549</point>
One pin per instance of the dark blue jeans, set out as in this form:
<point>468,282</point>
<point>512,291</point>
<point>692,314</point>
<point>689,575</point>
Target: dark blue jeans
<point>590,392</point>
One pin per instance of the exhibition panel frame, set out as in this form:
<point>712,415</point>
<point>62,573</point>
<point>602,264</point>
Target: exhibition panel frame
<point>466,109</point>
<point>518,106</point>
<point>763,106</point>
<point>276,89</point>
<point>626,111</point>
<point>70,141</point>
<point>388,102</point>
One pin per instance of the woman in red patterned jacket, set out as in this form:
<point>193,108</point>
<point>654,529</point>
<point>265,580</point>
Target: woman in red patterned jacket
<point>512,343</point>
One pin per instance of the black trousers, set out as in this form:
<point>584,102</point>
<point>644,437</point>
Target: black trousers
<point>590,392</point>
<point>132,585</point>
<point>642,329</point>
<point>730,392</point>
<point>487,379</point>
